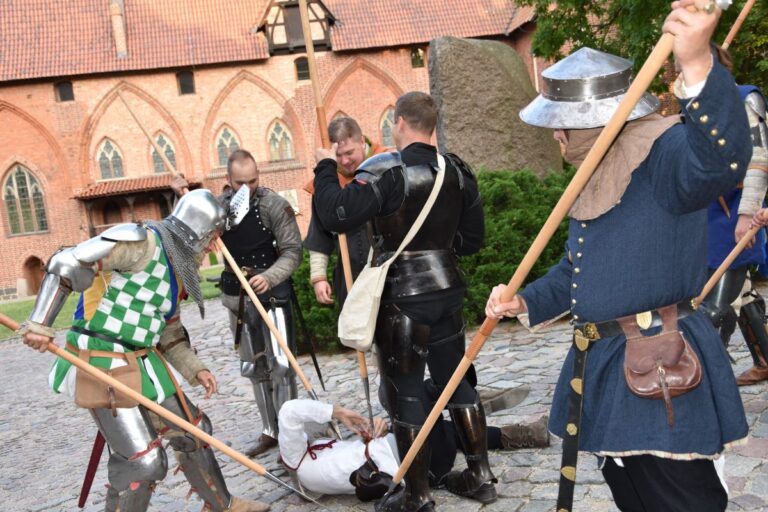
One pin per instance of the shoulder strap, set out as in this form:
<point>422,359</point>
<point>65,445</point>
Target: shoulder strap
<point>424,211</point>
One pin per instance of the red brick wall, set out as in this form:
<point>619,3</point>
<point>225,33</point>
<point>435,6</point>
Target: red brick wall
<point>58,141</point>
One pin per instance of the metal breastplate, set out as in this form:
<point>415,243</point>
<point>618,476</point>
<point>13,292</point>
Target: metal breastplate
<point>427,264</point>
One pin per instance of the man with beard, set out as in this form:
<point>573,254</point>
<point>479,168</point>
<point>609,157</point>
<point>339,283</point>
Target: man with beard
<point>420,321</point>
<point>352,147</point>
<point>635,257</point>
<point>120,320</point>
<point>266,245</point>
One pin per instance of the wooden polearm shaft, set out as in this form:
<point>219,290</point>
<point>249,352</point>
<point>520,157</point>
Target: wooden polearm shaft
<point>152,406</point>
<point>325,140</point>
<point>737,24</point>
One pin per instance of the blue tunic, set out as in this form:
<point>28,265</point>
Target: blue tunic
<point>649,251</point>
<point>721,230</point>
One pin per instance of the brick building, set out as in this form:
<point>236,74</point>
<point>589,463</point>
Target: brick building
<point>204,78</point>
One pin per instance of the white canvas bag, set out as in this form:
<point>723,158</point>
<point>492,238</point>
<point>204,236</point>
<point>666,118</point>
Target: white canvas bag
<point>357,321</point>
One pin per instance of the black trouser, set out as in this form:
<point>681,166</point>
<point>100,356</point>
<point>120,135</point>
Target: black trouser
<point>411,336</point>
<point>652,484</point>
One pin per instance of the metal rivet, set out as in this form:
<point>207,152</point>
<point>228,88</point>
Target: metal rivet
<point>704,119</point>
<point>581,240</point>
<point>583,224</point>
<point>575,317</point>
<point>573,301</point>
<point>575,285</point>
<point>713,132</point>
<point>695,105</point>
<point>734,166</point>
<point>579,255</point>
<point>721,142</point>
<point>576,270</point>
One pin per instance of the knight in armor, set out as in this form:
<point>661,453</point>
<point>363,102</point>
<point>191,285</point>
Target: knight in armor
<point>634,259</point>
<point>728,221</point>
<point>266,245</point>
<point>133,277</point>
<point>352,147</point>
<point>420,322</point>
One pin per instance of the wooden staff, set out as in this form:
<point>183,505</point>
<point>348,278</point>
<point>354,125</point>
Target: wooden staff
<point>737,24</point>
<point>233,265</point>
<point>650,68</point>
<point>714,278</point>
<point>325,140</point>
<point>157,409</point>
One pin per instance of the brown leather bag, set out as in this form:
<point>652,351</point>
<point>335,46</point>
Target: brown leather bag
<point>662,366</point>
<point>94,394</point>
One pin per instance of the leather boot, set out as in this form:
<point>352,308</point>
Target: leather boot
<point>477,480</point>
<point>522,435</point>
<point>415,497</point>
<point>242,505</point>
<point>264,444</point>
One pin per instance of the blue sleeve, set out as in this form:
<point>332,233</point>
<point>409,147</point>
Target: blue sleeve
<point>549,295</point>
<point>693,163</point>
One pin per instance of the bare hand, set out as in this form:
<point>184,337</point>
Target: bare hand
<point>742,228</point>
<point>208,381</point>
<point>37,342</point>
<point>380,427</point>
<point>259,284</point>
<point>322,153</point>
<point>693,32</point>
<point>352,420</point>
<point>323,292</point>
<point>760,219</point>
<point>178,183</point>
<point>494,308</point>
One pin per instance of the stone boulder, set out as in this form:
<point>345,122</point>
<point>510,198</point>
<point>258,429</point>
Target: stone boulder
<point>480,87</point>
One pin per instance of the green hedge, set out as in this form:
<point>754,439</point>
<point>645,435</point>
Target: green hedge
<point>516,204</point>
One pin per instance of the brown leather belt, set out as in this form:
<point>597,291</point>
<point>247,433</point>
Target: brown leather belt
<point>599,330</point>
<point>104,353</point>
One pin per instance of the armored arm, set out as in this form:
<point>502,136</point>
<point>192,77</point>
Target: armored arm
<point>281,220</point>
<point>175,345</point>
<point>73,269</point>
<point>756,180</point>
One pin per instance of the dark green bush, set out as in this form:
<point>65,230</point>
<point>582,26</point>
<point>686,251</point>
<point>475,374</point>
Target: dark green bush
<point>516,204</point>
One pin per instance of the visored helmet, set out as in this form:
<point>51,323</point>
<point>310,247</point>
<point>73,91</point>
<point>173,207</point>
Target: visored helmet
<point>198,218</point>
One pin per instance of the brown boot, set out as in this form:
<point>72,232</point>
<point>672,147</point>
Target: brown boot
<point>242,505</point>
<point>520,435</point>
<point>264,444</point>
<point>754,375</point>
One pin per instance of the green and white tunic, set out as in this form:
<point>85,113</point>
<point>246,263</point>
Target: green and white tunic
<point>131,307</point>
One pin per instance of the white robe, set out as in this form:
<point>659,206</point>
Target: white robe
<point>329,472</point>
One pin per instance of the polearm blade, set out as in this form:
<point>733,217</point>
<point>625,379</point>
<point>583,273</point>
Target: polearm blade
<point>270,476</point>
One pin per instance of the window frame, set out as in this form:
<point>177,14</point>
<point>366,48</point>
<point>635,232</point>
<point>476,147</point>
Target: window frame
<point>173,159</point>
<point>57,91</point>
<point>384,117</point>
<point>180,75</point>
<point>286,133</point>
<point>32,184</point>
<point>219,134</point>
<point>115,149</point>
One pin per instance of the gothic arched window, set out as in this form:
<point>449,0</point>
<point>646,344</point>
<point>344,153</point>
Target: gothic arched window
<point>226,144</point>
<point>109,160</point>
<point>24,202</point>
<point>170,154</point>
<point>387,121</point>
<point>280,142</point>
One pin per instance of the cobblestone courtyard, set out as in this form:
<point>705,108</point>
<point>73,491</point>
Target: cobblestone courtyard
<point>46,441</point>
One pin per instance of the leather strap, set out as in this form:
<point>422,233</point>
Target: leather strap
<point>104,353</point>
<point>240,315</point>
<point>104,337</point>
<point>179,392</point>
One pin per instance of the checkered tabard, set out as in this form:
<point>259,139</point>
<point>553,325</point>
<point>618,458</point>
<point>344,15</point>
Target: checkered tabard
<point>133,310</point>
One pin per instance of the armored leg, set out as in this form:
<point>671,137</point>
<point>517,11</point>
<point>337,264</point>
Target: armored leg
<point>402,353</point>
<point>717,305</point>
<point>282,376</point>
<point>477,480</point>
<point>197,461</point>
<point>752,325</point>
<point>136,460</point>
<point>254,365</point>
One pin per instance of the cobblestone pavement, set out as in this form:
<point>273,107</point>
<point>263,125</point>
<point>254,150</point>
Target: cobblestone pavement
<point>46,441</point>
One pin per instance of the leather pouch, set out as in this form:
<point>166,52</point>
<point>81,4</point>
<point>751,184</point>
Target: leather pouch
<point>91,393</point>
<point>661,366</point>
<point>370,483</point>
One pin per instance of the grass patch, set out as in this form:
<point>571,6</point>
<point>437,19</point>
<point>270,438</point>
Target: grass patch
<point>20,310</point>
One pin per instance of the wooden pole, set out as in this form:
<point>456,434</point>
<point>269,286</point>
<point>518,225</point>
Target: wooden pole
<point>644,78</point>
<point>149,404</point>
<point>325,140</point>
<point>235,268</point>
<point>714,278</point>
<point>737,24</point>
